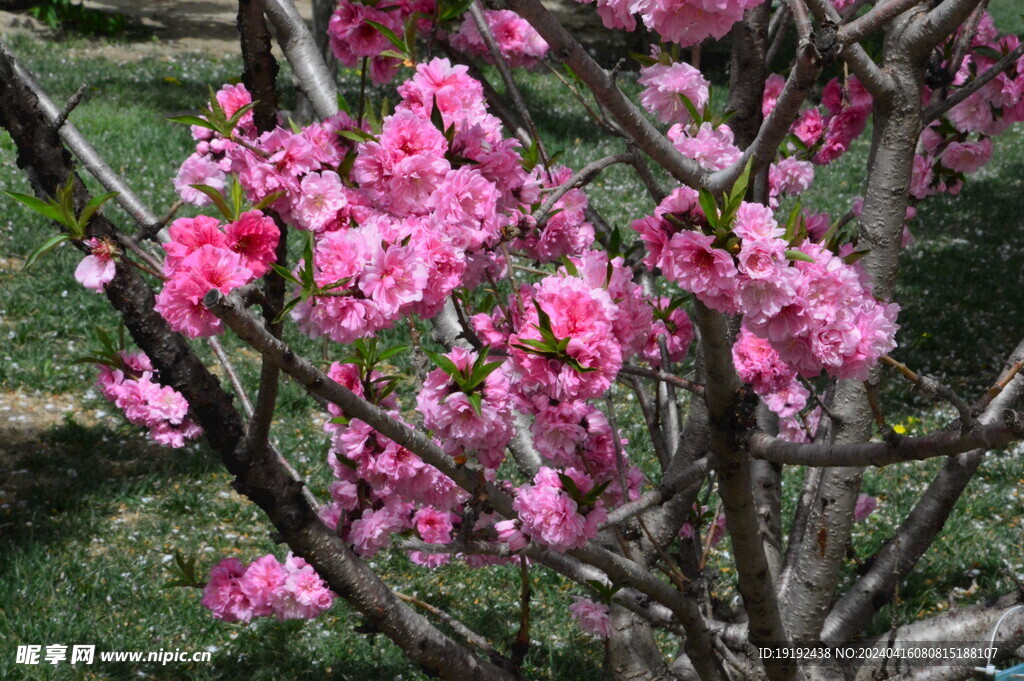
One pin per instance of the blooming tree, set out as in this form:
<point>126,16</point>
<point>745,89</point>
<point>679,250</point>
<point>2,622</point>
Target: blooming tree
<point>751,331</point>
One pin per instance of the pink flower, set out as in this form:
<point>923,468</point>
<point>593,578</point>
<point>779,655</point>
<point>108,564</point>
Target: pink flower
<point>99,267</point>
<point>759,364</point>
<point>711,147</point>
<point>223,594</point>
<point>967,157</point>
<point>698,267</point>
<point>665,83</point>
<point>394,278</point>
<point>260,584</point>
<point>433,526</point>
<point>189,235</point>
<point>198,169</point>
<point>321,196</point>
<point>864,507</point>
<point>181,304</point>
<point>772,89</point>
<point>809,127</point>
<point>591,617</point>
<point>212,267</point>
<point>254,237</point>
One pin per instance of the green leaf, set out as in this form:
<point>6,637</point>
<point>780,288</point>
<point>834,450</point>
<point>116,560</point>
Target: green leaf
<point>709,206</point>
<point>477,401</point>
<point>443,363</point>
<point>194,120</point>
<point>455,10</point>
<point>989,52</point>
<point>855,256</point>
<point>267,200</point>
<point>44,248</point>
<point>410,35</point>
<point>343,104</point>
<point>237,198</point>
<point>286,309</point>
<point>218,200</point>
<point>306,274</point>
<point>643,59</point>
<point>357,135</point>
<point>286,274</point>
<point>391,352</point>
<point>47,209</point>
<point>595,494</point>
<point>95,203</point>
<point>739,190</point>
<point>570,266</point>
<point>391,36</point>
<point>691,109</point>
<point>435,115</point>
<point>393,54</point>
<point>569,485</point>
<point>793,254</point>
<point>232,122</point>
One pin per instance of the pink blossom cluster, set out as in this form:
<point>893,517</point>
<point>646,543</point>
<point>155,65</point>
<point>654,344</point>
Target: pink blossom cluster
<point>709,145</point>
<point>163,410</point>
<point>673,327</point>
<point>382,488</point>
<point>461,427</point>
<point>826,132</point>
<point>566,232</point>
<point>550,516</point>
<point>518,41</point>
<point>960,143</point>
<point>353,38</point>
<point>665,83</point>
<point>288,591</point>
<point>600,311</point>
<point>201,256</point>
<point>209,164</point>
<point>686,22</point>
<point>818,315</point>
<point>591,617</point>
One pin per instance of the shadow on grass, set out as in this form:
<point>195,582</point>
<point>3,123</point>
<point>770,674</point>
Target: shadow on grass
<point>77,471</point>
<point>962,287</point>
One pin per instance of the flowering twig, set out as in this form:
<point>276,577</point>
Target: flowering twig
<point>941,107</point>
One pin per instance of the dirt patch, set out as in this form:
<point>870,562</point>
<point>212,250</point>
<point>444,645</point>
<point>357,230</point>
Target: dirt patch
<point>163,29</point>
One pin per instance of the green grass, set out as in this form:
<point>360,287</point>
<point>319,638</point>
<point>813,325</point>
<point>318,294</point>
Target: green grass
<point>89,512</point>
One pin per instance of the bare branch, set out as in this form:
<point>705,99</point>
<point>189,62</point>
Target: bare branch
<point>81,148</point>
<point>880,15</point>
<point>565,48</point>
<point>73,102</point>
<point>298,45</point>
<point>458,627</point>
<point>678,381</point>
<point>580,178</point>
<point>944,443</point>
<point>875,80</point>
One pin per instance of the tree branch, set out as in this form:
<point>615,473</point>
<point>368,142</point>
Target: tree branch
<point>899,449</point>
<point>941,107</point>
<point>313,78</point>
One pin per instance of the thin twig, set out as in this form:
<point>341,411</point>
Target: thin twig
<point>580,178</point>
<point>458,627</point>
<point>930,385</point>
<point>677,381</point>
<point>940,108</point>
<point>70,106</point>
<point>511,89</point>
